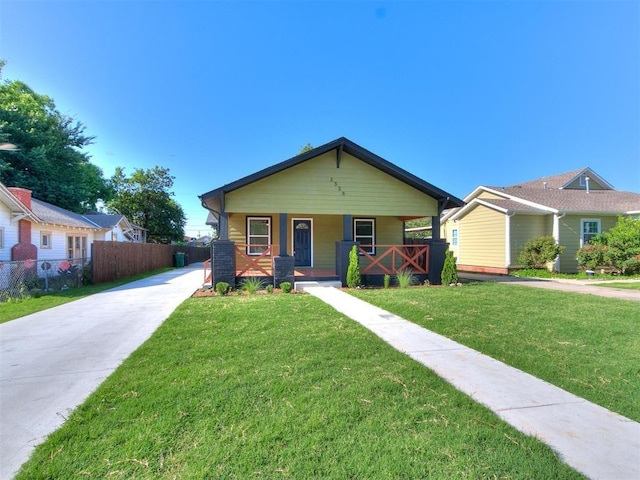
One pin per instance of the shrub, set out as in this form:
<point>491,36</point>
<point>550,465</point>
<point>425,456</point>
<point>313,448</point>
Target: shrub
<point>618,248</point>
<point>405,278</point>
<point>222,288</point>
<point>449,273</point>
<point>386,281</point>
<point>539,251</point>
<point>269,288</point>
<point>353,271</point>
<point>285,287</point>
<point>252,284</point>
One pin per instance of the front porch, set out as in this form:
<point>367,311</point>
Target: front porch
<point>267,264</point>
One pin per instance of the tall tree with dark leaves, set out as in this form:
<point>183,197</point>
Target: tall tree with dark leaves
<point>145,198</point>
<point>46,155</point>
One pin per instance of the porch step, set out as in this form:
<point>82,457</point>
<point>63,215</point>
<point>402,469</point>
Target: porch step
<point>319,283</point>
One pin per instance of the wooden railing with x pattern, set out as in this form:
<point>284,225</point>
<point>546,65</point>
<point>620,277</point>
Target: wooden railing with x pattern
<point>255,264</point>
<point>390,259</point>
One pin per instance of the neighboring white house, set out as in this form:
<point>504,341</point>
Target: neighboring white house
<point>31,229</point>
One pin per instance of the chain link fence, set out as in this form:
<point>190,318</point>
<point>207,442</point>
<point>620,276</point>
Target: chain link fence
<point>19,280</point>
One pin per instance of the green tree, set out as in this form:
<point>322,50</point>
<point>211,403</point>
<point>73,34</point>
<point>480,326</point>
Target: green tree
<point>416,223</point>
<point>48,160</point>
<point>305,149</point>
<point>146,200</point>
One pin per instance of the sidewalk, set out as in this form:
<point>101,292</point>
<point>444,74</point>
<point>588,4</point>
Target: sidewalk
<point>565,285</point>
<point>595,441</point>
<point>52,360</point>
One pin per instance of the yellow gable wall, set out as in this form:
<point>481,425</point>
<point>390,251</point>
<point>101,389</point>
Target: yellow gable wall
<point>317,186</point>
<point>482,238</point>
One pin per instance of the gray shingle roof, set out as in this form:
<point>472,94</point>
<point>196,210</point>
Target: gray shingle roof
<point>104,220</point>
<point>603,201</point>
<point>59,216</point>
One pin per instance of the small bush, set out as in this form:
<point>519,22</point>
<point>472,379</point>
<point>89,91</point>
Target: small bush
<point>285,287</point>
<point>591,256</point>
<point>353,271</point>
<point>404,278</point>
<point>222,288</point>
<point>449,273</point>
<point>618,248</point>
<point>387,281</point>
<point>269,288</point>
<point>538,252</point>
<point>252,284</point>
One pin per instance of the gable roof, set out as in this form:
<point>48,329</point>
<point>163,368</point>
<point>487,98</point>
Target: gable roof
<point>16,207</point>
<point>536,198</point>
<point>105,220</point>
<point>341,145</point>
<point>564,180</point>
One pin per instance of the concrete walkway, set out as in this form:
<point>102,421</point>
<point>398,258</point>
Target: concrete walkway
<point>565,285</point>
<point>52,360</point>
<point>596,442</point>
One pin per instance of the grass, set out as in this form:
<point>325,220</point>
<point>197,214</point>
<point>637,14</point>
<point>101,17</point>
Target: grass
<point>584,344</point>
<point>17,309</point>
<point>281,386</point>
<point>627,285</point>
<point>543,273</point>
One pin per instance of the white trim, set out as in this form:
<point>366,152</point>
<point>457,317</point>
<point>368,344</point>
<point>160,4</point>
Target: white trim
<point>293,239</point>
<point>248,235</point>
<point>585,220</point>
<point>373,232</point>
<point>556,235</point>
<point>507,240</point>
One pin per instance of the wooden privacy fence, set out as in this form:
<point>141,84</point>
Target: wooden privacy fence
<point>114,260</point>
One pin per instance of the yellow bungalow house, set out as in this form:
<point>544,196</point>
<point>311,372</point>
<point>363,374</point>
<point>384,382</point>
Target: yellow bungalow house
<point>488,233</point>
<point>300,218</point>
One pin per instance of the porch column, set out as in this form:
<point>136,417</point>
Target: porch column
<point>435,227</point>
<point>347,228</point>
<point>223,262</point>
<point>223,226</point>
<point>284,218</point>
<point>437,252</point>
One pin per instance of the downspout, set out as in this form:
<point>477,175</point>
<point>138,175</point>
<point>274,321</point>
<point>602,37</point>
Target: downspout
<point>507,239</point>
<point>556,236</point>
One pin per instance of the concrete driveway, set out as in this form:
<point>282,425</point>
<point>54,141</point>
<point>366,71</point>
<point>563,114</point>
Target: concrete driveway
<point>52,360</point>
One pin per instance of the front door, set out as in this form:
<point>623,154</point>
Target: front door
<point>302,242</point>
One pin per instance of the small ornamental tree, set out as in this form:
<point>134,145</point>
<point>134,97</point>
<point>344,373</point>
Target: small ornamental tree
<point>353,271</point>
<point>449,273</point>
<point>538,252</point>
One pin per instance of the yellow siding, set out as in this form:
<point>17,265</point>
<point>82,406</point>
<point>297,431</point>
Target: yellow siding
<point>482,238</point>
<point>447,235</point>
<point>327,230</point>
<point>570,235</point>
<point>525,228</point>
<point>355,188</point>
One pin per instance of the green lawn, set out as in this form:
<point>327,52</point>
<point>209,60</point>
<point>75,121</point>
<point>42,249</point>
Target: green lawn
<point>16,309</point>
<point>627,285</point>
<point>585,344</point>
<point>282,386</point>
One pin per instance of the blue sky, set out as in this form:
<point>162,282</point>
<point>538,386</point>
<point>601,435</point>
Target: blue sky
<point>460,93</point>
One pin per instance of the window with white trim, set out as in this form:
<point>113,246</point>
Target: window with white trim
<point>364,231</point>
<point>45,240</point>
<point>76,247</point>
<point>258,235</point>
<point>589,228</point>
<point>454,237</point>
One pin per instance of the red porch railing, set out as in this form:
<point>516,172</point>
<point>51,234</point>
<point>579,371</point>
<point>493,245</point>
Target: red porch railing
<point>255,264</point>
<point>390,259</point>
